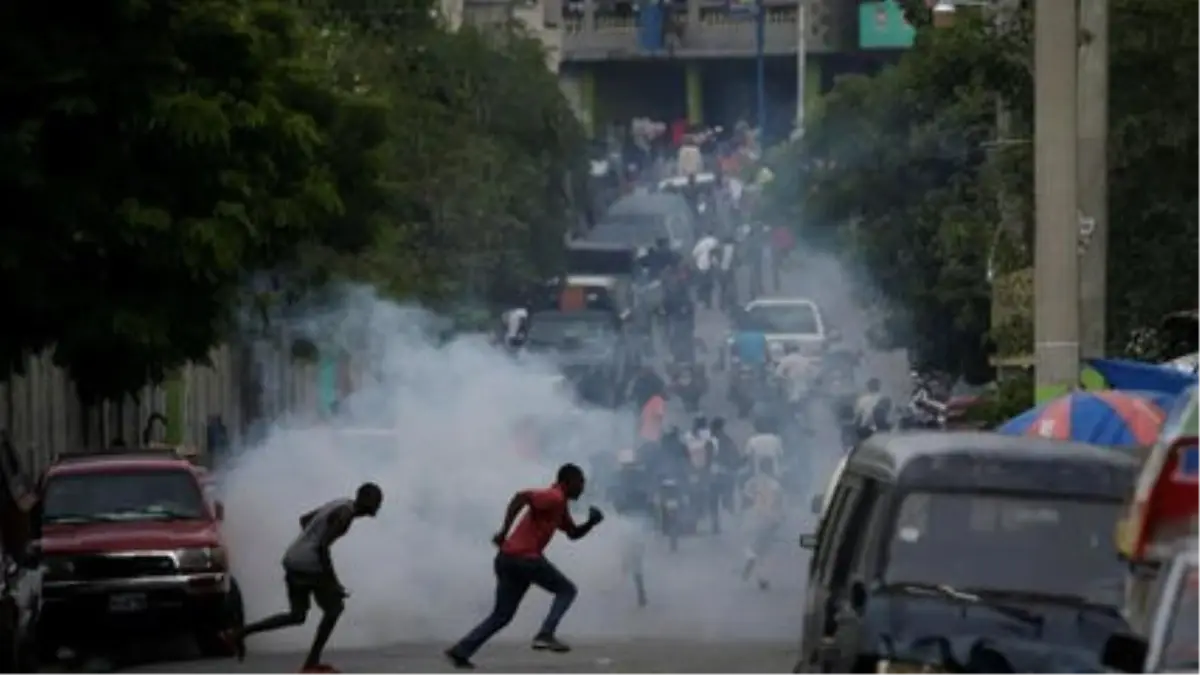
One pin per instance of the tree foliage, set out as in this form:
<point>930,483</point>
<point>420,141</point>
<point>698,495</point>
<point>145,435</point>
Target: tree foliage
<point>907,173</point>
<point>893,170</point>
<point>157,155</point>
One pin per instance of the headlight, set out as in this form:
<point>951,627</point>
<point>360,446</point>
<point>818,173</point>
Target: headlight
<point>206,559</point>
<point>59,567</point>
<point>888,666</point>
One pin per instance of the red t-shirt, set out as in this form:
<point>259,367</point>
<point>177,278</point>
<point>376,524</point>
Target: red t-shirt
<point>547,512</point>
<point>652,419</point>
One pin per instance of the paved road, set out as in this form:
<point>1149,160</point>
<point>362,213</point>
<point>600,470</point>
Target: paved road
<point>701,618</point>
<point>628,656</point>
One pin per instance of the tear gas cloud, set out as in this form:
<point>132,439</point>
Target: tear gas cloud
<point>422,569</point>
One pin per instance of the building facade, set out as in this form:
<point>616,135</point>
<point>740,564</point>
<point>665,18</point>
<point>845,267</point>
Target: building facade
<point>697,59</point>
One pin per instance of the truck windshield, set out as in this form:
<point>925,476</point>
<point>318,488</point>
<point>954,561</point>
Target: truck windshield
<point>1007,542</point>
<point>1180,652</point>
<point>114,496</point>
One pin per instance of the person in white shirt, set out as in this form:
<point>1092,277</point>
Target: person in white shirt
<point>795,370</point>
<point>765,446</point>
<point>699,444</point>
<point>702,255</point>
<point>866,405</point>
<point>689,162</point>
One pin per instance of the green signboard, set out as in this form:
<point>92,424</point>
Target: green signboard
<point>881,25</point>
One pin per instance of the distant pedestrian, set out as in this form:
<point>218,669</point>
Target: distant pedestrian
<point>308,574</point>
<point>521,562</point>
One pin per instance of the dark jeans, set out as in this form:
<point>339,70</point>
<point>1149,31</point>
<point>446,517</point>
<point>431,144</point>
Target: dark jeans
<point>514,576</point>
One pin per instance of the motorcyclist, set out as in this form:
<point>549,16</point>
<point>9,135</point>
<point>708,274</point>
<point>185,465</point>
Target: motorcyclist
<point>923,407</point>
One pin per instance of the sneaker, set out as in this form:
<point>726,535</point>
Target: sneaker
<point>458,661</point>
<point>549,643</point>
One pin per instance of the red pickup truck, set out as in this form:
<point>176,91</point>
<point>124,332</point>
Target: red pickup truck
<point>131,546</point>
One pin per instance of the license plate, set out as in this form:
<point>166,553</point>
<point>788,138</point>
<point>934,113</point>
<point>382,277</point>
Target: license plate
<point>671,504</point>
<point>127,602</point>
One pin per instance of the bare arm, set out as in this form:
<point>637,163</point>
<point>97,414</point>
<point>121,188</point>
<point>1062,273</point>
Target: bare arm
<point>575,531</point>
<point>339,523</point>
<point>515,505</point>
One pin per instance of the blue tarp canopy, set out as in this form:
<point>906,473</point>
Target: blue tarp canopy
<point>1125,375</point>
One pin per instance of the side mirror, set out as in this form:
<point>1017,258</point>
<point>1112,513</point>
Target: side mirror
<point>1124,653</point>
<point>808,542</point>
<point>818,501</point>
<point>858,596</point>
<point>219,510</point>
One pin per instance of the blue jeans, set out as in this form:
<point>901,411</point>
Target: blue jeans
<point>514,576</point>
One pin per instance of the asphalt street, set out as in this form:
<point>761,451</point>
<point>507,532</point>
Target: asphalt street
<point>702,617</point>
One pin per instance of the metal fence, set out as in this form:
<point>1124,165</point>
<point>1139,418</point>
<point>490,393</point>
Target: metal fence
<point>44,417</point>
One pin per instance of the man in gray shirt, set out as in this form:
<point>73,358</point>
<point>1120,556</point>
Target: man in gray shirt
<point>308,573</point>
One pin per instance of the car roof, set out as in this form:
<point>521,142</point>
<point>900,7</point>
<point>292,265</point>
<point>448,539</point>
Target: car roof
<point>591,280</point>
<point>109,461</point>
<point>891,452</point>
<point>779,301</point>
<point>659,203</point>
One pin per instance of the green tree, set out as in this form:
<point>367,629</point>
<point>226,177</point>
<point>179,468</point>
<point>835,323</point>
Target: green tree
<point>482,154</point>
<point>892,173</point>
<point>1152,154</point>
<point>151,155</point>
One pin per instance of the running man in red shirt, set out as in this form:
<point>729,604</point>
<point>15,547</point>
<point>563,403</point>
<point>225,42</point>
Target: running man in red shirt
<point>521,562</point>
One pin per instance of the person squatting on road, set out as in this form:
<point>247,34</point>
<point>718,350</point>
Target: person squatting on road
<point>308,574</point>
<point>521,562</point>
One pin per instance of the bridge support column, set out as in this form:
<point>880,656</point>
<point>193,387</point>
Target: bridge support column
<point>694,88</point>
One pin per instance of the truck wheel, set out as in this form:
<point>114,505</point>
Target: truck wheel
<point>211,640</point>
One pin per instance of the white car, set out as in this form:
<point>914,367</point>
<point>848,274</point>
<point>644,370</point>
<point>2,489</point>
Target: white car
<point>785,321</point>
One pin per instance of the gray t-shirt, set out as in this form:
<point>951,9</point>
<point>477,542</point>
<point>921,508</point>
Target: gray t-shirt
<point>304,553</point>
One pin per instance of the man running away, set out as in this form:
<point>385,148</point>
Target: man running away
<point>521,562</point>
<point>308,573</point>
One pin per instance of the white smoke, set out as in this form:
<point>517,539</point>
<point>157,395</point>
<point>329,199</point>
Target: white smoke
<point>423,569</point>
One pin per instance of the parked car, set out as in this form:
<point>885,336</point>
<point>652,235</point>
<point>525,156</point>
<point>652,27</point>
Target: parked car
<point>966,552</point>
<point>20,569</point>
<point>1166,641</point>
<point>131,546</point>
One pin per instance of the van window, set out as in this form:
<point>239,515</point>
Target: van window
<point>1021,542</point>
<point>856,532</point>
<point>831,529</point>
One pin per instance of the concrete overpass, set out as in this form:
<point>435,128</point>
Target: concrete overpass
<point>698,61</point>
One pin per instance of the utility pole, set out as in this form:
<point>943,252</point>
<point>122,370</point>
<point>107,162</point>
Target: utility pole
<point>801,64</point>
<point>1092,167</point>
<point>1056,239</point>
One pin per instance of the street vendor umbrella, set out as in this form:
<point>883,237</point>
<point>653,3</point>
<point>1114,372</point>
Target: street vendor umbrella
<point>1127,375</point>
<point>1101,417</point>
